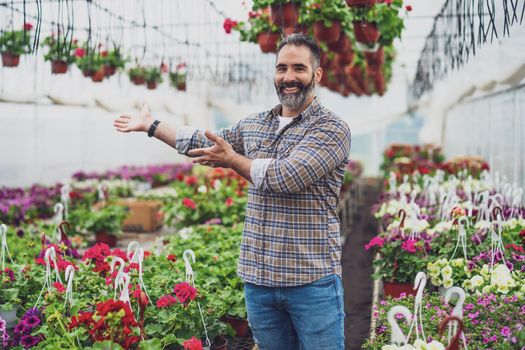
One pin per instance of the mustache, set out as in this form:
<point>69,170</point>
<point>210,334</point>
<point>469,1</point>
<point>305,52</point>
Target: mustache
<point>291,84</point>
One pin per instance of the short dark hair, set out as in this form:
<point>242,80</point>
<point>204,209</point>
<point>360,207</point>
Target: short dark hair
<point>300,39</point>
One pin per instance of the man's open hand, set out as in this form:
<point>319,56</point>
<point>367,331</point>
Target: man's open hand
<point>137,122</point>
<point>219,155</point>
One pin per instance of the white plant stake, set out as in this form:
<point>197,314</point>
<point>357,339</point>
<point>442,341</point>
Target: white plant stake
<point>417,322</point>
<point>59,217</point>
<point>392,183</point>
<point>190,279</point>
<point>70,275</point>
<point>50,255</point>
<point>4,250</point>
<point>457,311</point>
<point>397,336</point>
<point>462,237</point>
<point>135,255</point>
<point>120,261</point>
<point>496,243</point>
<point>64,197</point>
<point>122,282</point>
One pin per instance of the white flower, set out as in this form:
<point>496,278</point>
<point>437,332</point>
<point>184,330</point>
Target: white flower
<point>458,262</point>
<point>217,185</point>
<point>446,272</point>
<point>485,271</point>
<point>185,232</point>
<point>202,189</point>
<point>435,345</point>
<point>477,281</point>
<point>482,224</point>
<point>443,226</point>
<point>407,347</point>
<point>467,284</point>
<point>448,282</point>
<point>435,281</point>
<point>420,344</point>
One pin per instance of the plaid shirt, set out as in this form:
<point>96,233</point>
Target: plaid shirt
<point>291,232</point>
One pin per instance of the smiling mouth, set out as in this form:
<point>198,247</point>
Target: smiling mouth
<point>290,90</point>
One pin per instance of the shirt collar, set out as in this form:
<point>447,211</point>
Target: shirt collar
<point>309,112</point>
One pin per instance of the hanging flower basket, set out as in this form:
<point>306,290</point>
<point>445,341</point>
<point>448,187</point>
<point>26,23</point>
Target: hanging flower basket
<point>365,32</point>
<point>10,60</point>
<point>341,45</point>
<point>327,34</point>
<point>360,3</point>
<point>394,289</point>
<point>344,58</point>
<point>98,75</point>
<point>109,70</point>
<point>285,15</point>
<point>379,80</point>
<point>375,59</point>
<point>59,67</point>
<point>151,84</point>
<point>268,41</point>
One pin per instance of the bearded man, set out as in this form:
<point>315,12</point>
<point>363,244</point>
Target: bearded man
<point>294,157</point>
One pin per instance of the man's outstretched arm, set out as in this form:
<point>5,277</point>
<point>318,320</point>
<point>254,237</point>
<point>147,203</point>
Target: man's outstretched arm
<point>141,122</point>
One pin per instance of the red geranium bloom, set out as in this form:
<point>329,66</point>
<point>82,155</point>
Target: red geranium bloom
<point>228,25</point>
<point>80,52</point>
<point>229,201</point>
<point>191,180</point>
<point>28,26</point>
<point>185,292</point>
<point>104,54</point>
<point>253,14</point>
<point>188,203</point>
<point>166,301</point>
<point>172,257</point>
<point>59,287</point>
<point>193,344</point>
<point>408,8</point>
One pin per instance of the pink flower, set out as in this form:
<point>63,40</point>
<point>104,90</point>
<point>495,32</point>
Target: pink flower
<point>229,201</point>
<point>505,331</point>
<point>409,245</point>
<point>80,52</point>
<point>188,203</point>
<point>166,301</point>
<point>228,25</point>
<point>192,344</point>
<point>28,26</point>
<point>376,241</point>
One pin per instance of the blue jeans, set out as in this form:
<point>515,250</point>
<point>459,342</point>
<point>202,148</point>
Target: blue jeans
<point>310,316</point>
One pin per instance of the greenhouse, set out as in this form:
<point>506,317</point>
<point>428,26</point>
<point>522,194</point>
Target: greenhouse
<point>262,174</point>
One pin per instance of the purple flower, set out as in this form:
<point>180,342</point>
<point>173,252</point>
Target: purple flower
<point>31,322</point>
<point>473,315</point>
<point>20,328</point>
<point>469,306</point>
<point>28,341</point>
<point>505,331</point>
<point>32,312</point>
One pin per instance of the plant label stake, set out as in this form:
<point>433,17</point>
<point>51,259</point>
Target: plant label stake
<point>50,255</point>
<point>417,321</point>
<point>402,214</point>
<point>120,261</point>
<point>397,337</point>
<point>70,275</point>
<point>190,279</point>
<point>59,217</point>
<point>64,197</point>
<point>496,243</point>
<point>4,250</point>
<point>457,312</point>
<point>135,255</point>
<point>462,237</point>
<point>454,344</point>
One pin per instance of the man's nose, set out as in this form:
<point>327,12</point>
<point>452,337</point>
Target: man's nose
<point>289,76</point>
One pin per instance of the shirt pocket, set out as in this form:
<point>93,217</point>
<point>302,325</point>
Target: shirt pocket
<point>252,149</point>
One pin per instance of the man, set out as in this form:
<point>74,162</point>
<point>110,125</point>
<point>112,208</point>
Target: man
<point>295,158</point>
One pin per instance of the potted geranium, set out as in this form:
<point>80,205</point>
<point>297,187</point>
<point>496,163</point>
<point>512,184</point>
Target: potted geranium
<point>15,43</point>
<point>284,13</point>
<point>60,52</point>
<point>113,60</point>
<point>259,29</point>
<point>153,77</point>
<point>329,17</point>
<point>178,77</point>
<point>89,61</point>
<point>137,75</point>
<point>380,23</point>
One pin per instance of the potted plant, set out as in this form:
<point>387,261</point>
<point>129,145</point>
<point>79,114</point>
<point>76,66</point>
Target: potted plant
<point>89,61</point>
<point>380,23</point>
<point>15,43</point>
<point>153,77</point>
<point>60,52</point>
<point>137,75</point>
<point>113,60</point>
<point>178,78</point>
<point>259,29</point>
<point>106,222</point>
<point>284,13</point>
<point>329,17</point>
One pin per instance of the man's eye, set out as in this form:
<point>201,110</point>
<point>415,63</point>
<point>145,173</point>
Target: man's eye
<point>281,69</point>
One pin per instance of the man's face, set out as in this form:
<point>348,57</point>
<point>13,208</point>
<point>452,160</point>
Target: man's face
<point>295,77</point>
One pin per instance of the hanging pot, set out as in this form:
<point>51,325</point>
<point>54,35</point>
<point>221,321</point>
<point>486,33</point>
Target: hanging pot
<point>58,67</point>
<point>240,325</point>
<point>98,75</point>
<point>151,84</point>
<point>365,32</point>
<point>220,343</point>
<point>360,3</point>
<point>345,58</point>
<point>109,70</point>
<point>10,60</point>
<point>88,73</point>
<point>103,237</point>
<point>327,34</point>
<point>375,59</point>
<point>138,80</point>
<point>285,15</point>
<point>341,45</point>
<point>268,41</point>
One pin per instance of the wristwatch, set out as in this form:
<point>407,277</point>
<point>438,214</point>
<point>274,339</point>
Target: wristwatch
<point>153,127</point>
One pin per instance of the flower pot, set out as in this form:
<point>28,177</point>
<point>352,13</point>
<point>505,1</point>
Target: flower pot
<point>9,316</point>
<point>219,343</point>
<point>151,84</point>
<point>103,237</point>
<point>285,15</point>
<point>98,75</point>
<point>327,34</point>
<point>379,81</point>
<point>341,45</point>
<point>394,290</point>
<point>88,73</point>
<point>360,3</point>
<point>268,41</point>
<point>58,67</point>
<point>10,60</point>
<point>181,86</point>
<point>109,70</point>
<point>375,58</point>
<point>240,325</point>
<point>138,80</point>
<point>344,59</point>
<point>366,33</point>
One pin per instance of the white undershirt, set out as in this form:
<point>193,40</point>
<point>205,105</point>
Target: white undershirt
<point>283,121</point>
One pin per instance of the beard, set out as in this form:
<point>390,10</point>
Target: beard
<point>296,100</point>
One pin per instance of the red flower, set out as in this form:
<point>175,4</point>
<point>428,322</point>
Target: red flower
<point>193,344</point>
<point>409,245</point>
<point>229,201</point>
<point>191,180</point>
<point>228,25</point>
<point>28,26</point>
<point>253,14</point>
<point>514,247</point>
<point>180,176</point>
<point>376,241</point>
<point>59,287</point>
<point>80,52</point>
<point>172,257</point>
<point>166,301</point>
<point>188,203</point>
<point>185,292</point>
<point>104,54</point>
<point>408,8</point>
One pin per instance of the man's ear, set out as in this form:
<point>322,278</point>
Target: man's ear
<point>318,74</point>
